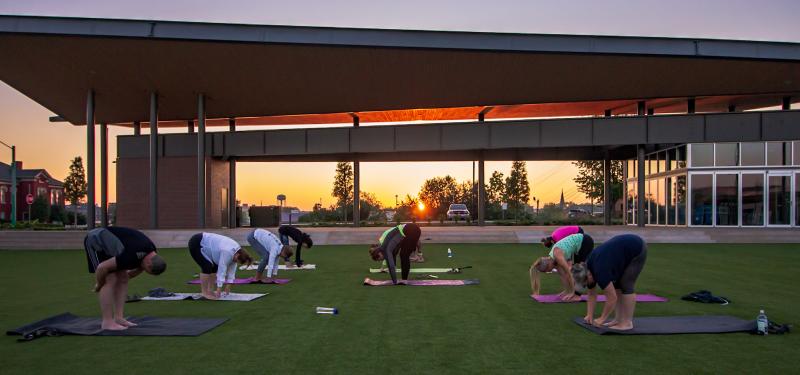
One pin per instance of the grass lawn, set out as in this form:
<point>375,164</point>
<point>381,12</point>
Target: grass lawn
<point>493,327</point>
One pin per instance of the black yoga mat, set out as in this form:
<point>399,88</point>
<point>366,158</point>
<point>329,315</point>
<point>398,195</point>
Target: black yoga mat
<point>672,325</point>
<point>69,324</point>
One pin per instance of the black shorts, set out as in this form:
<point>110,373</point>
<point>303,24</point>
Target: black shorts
<point>586,248</point>
<point>100,245</point>
<point>195,250</point>
<point>628,280</point>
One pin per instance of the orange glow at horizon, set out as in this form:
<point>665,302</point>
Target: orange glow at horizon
<point>421,206</point>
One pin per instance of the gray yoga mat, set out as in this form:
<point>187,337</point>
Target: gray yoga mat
<point>672,325</point>
<point>69,324</point>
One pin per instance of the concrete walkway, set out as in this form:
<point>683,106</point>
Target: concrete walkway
<point>175,238</point>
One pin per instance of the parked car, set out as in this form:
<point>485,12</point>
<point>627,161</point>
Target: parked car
<point>577,212</point>
<point>457,211</point>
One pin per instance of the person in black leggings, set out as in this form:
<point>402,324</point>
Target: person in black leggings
<point>614,266</point>
<point>299,237</point>
<point>402,240</point>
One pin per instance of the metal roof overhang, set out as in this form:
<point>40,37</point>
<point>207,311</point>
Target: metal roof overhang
<point>256,71</point>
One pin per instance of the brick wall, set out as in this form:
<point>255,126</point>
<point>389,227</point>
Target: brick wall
<point>177,192</point>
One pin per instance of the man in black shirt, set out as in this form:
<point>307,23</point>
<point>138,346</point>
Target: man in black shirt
<point>302,239</point>
<point>115,255</point>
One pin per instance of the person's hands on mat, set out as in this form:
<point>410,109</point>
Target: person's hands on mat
<point>599,322</point>
<point>588,319</point>
<point>571,298</point>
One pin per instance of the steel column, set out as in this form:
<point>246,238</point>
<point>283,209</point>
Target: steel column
<point>641,108</point>
<point>607,189</point>
<point>786,103</point>
<point>640,190</point>
<point>690,105</point>
<point>90,186</point>
<point>356,194</point>
<point>154,160</point>
<point>232,193</point>
<point>232,124</point>
<point>190,126</point>
<point>481,192</point>
<point>104,175</point>
<point>137,128</point>
<point>201,161</point>
<point>14,187</point>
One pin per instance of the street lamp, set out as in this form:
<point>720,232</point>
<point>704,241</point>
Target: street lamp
<point>13,184</point>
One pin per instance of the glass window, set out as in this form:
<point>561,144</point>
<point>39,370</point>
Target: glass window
<point>652,164</point>
<point>661,199</point>
<point>701,198</point>
<point>3,194</point>
<point>797,198</point>
<point>681,156</point>
<point>702,154</point>
<point>671,201</point>
<point>631,169</point>
<point>752,199</point>
<point>672,162</point>
<point>650,205</point>
<point>797,156</point>
<point>779,153</point>
<point>779,200</point>
<point>680,193</point>
<point>752,153</point>
<point>726,154</point>
<point>662,161</point>
<point>727,199</point>
<point>630,209</point>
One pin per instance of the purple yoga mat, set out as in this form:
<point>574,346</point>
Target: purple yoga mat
<point>368,281</point>
<point>248,280</point>
<point>553,298</point>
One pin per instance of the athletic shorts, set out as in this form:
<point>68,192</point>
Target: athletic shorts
<point>101,245</point>
<point>632,271</point>
<point>196,251</point>
<point>586,248</point>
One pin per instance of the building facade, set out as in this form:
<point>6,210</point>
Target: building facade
<point>725,184</point>
<point>36,182</point>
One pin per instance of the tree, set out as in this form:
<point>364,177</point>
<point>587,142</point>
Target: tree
<point>343,186</point>
<point>518,190</point>
<point>57,214</point>
<point>40,209</point>
<point>406,208</point>
<point>369,206</point>
<point>590,179</point>
<point>75,185</point>
<point>438,193</point>
<point>495,195</point>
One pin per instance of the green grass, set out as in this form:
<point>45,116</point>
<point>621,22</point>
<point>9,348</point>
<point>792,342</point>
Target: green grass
<point>490,328</point>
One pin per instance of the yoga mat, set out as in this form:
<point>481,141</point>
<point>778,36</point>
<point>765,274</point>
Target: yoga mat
<point>282,267</point>
<point>415,270</point>
<point>237,297</point>
<point>671,325</point>
<point>69,324</point>
<point>553,298</point>
<point>368,281</point>
<point>248,280</point>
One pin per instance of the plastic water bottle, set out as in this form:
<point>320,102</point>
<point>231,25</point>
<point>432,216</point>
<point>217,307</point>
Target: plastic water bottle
<point>449,253</point>
<point>327,310</point>
<point>762,323</point>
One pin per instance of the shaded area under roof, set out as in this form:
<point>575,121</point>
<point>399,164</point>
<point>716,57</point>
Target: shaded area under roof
<point>264,71</point>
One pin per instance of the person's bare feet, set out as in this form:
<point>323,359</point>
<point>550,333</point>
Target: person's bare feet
<point>622,326</point>
<point>112,326</point>
<point>125,323</point>
<point>209,296</point>
<point>611,323</point>
<point>572,298</point>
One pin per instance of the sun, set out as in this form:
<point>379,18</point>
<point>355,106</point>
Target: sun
<point>421,206</point>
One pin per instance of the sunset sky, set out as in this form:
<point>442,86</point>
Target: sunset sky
<point>47,145</point>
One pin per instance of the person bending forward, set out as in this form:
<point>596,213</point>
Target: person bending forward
<point>217,257</point>
<point>402,240</point>
<point>269,247</point>
<point>115,255</point>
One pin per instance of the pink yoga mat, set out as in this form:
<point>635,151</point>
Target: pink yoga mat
<point>553,298</point>
<point>368,281</point>
<point>248,280</point>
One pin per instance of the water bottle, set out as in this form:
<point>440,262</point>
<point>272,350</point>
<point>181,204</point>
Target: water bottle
<point>449,253</point>
<point>762,323</point>
<point>327,310</point>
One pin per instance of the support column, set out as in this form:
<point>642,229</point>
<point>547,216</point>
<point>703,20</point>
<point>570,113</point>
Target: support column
<point>731,108</point>
<point>690,105</point>
<point>641,107</point>
<point>137,128</point>
<point>190,126</point>
<point>232,182</point>
<point>14,187</point>
<point>607,204</point>
<point>651,111</point>
<point>104,175</point>
<point>153,160</point>
<point>201,161</point>
<point>607,113</point>
<point>90,186</point>
<point>786,103</point>
<point>640,190</point>
<point>481,192</point>
<point>356,194</point>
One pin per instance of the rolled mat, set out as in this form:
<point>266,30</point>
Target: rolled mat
<point>248,280</point>
<point>370,282</point>
<point>237,297</point>
<point>672,325</point>
<point>281,267</point>
<point>554,298</point>
<point>69,324</point>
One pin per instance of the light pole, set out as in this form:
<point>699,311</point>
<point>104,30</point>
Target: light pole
<point>13,184</point>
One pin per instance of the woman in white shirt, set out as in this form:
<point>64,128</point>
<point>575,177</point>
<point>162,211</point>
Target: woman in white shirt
<point>217,257</point>
<point>269,247</point>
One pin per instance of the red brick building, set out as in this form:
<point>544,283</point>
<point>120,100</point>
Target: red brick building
<point>29,181</point>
